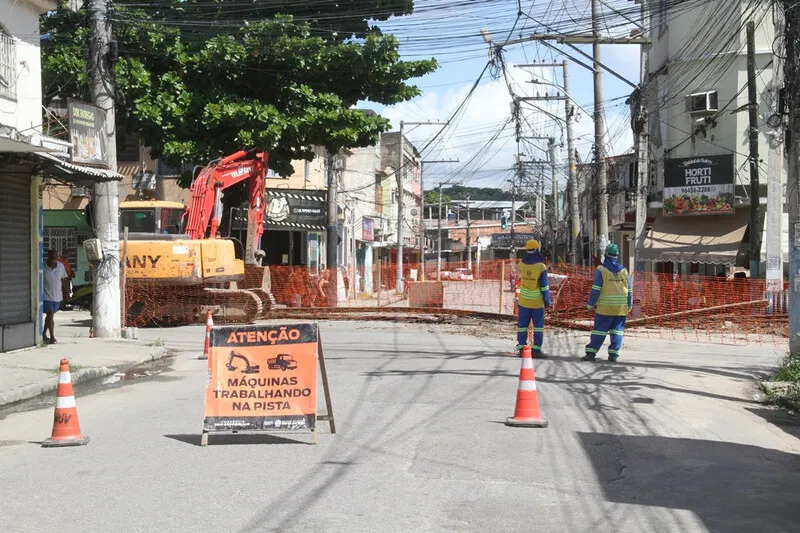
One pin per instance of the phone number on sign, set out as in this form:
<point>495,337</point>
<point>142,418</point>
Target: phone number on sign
<point>699,190</point>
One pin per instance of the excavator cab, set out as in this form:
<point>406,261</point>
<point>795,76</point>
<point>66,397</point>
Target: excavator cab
<point>155,217</point>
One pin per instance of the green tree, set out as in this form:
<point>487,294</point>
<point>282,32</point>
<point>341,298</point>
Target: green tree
<point>198,79</point>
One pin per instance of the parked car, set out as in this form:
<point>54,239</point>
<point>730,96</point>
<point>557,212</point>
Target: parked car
<point>461,274</point>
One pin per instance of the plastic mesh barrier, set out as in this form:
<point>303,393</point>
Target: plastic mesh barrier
<point>704,309</point>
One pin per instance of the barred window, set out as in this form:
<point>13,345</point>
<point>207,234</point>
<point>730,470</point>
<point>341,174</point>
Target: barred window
<point>8,75</point>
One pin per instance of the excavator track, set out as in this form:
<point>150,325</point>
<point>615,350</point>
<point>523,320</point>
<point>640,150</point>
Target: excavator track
<point>150,304</point>
<point>235,306</point>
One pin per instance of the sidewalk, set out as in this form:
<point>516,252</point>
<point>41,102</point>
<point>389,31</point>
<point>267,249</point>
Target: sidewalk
<point>28,373</point>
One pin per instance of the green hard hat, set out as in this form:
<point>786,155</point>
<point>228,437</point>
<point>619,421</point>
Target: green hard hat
<point>612,250</point>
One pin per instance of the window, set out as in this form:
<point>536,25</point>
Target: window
<point>8,62</point>
<point>128,147</point>
<point>138,221</point>
<point>171,220</point>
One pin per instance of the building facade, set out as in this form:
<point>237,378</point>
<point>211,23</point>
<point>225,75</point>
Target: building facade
<point>408,166</point>
<point>696,98</point>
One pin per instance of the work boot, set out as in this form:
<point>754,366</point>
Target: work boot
<point>588,357</point>
<point>538,355</point>
<point>613,358</point>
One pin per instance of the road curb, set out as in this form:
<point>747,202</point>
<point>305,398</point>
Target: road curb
<point>84,375</point>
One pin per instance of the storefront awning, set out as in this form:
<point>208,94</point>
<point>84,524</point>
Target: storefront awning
<point>66,171</point>
<point>696,239</point>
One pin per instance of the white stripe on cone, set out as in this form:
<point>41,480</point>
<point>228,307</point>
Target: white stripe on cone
<point>527,385</point>
<point>65,402</point>
<point>63,377</point>
<point>527,362</point>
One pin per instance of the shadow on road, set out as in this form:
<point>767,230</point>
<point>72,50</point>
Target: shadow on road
<point>732,488</point>
<point>788,422</point>
<point>237,439</point>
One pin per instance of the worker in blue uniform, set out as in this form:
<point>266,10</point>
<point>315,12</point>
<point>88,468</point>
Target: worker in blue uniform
<point>534,298</point>
<point>612,295</point>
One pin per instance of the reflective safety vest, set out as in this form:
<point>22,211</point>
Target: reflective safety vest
<point>613,300</point>
<point>530,293</point>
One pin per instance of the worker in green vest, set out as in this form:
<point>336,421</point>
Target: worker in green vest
<point>612,294</point>
<point>534,298</point>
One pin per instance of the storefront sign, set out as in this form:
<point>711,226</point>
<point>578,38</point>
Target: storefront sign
<point>367,229</point>
<point>504,239</point>
<point>699,185</point>
<point>296,209</point>
<point>88,133</point>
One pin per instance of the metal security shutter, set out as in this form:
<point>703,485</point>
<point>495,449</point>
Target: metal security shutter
<point>15,248</point>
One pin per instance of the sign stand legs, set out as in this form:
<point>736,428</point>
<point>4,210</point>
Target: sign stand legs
<point>204,439</point>
<point>328,416</point>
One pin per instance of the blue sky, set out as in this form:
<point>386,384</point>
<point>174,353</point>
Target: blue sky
<point>452,36</point>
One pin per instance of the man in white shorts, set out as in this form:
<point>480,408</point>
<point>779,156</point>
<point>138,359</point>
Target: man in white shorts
<point>56,289</point>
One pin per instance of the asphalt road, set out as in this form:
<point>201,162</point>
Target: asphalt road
<point>669,440</point>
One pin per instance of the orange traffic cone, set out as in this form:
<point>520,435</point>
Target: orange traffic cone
<point>66,429</point>
<point>209,325</point>
<point>527,413</point>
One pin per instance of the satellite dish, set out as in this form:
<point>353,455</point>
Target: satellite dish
<point>414,212</point>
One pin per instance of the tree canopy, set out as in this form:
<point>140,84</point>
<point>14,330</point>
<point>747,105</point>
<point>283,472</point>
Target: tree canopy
<point>198,79</point>
<point>475,193</point>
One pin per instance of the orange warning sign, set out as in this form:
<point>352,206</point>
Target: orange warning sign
<point>262,377</point>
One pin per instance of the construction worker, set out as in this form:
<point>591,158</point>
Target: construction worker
<point>613,296</point>
<point>534,298</point>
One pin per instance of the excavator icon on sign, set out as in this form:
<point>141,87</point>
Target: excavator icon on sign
<point>284,361</point>
<point>248,369</point>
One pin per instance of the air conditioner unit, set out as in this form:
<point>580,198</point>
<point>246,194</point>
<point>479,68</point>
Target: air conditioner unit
<point>144,180</point>
<point>77,191</point>
<point>707,102</point>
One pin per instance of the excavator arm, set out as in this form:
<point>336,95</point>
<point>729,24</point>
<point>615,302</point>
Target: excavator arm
<point>204,211</point>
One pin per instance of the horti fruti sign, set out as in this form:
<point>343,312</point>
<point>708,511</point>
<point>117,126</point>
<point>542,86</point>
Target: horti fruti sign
<point>700,185</point>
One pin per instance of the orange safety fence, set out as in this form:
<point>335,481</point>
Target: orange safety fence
<point>704,309</point>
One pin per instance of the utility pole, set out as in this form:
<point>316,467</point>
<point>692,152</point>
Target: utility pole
<point>439,225</point>
<point>572,186</point>
<point>469,242</point>
<point>353,268</point>
<point>640,133</point>
<point>332,234</point>
<point>439,238</point>
<point>792,84</point>
<point>400,173</point>
<point>572,179</point>
<point>599,133</point>
<point>752,97</point>
<point>599,122</point>
<point>554,210</point>
<point>107,316</point>
<point>517,176</point>
<point>775,168</point>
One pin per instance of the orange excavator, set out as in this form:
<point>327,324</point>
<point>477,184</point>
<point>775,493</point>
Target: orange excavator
<point>175,273</point>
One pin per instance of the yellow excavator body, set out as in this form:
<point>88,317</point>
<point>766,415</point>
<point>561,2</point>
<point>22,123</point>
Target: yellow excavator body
<point>184,261</point>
